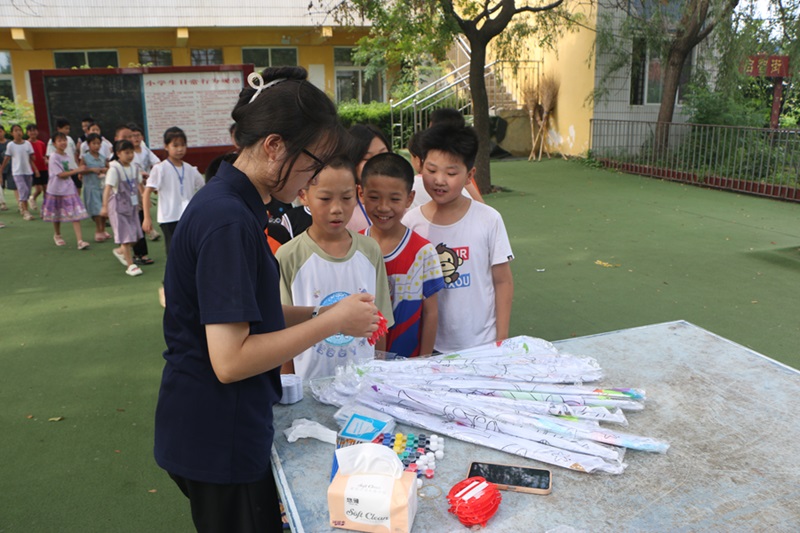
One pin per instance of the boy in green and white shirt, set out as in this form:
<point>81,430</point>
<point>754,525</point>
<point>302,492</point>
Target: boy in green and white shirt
<point>328,262</point>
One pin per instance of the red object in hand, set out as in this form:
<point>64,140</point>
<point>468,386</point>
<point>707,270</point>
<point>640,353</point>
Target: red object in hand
<point>477,509</point>
<point>381,331</point>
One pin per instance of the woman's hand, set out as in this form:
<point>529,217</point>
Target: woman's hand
<point>356,314</point>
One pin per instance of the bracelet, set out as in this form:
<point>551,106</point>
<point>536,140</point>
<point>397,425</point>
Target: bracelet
<point>315,312</point>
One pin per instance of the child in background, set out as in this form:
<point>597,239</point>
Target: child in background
<point>106,147</point>
<point>85,123</point>
<point>368,141</point>
<point>176,182</point>
<point>93,184</point>
<point>450,117</point>
<point>62,126</point>
<point>121,202</point>
<point>19,153</point>
<point>421,196</point>
<point>412,264</point>
<point>40,182</point>
<point>143,159</point>
<point>62,202</point>
<point>328,262</point>
<point>5,176</point>
<point>297,219</point>
<point>471,240</point>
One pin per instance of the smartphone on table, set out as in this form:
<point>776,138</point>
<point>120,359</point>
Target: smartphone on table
<point>514,478</point>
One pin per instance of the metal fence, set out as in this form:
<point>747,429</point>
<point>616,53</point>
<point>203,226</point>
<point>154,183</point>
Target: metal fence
<point>753,160</point>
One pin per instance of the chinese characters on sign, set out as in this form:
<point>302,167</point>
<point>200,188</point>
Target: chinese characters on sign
<point>200,103</point>
<point>768,66</point>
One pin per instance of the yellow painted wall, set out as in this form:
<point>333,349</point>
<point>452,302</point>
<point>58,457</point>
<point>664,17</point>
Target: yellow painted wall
<point>572,64</point>
<point>311,46</point>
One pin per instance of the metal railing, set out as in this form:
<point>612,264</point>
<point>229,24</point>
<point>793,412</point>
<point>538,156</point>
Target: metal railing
<point>753,160</point>
<point>505,83</point>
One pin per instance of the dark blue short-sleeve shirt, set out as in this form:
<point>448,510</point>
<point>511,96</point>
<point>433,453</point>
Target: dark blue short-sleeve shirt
<point>220,270</point>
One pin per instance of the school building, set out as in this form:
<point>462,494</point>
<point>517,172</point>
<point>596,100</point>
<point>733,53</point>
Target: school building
<point>94,34</point>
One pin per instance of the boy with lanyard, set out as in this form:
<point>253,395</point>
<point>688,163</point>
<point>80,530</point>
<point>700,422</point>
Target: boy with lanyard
<point>176,182</point>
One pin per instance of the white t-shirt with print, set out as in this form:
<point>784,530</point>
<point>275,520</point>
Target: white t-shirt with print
<point>174,196</point>
<point>311,277</point>
<point>145,159</point>
<point>468,249</point>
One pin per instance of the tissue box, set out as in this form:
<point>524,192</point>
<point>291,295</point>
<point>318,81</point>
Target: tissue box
<point>371,493</point>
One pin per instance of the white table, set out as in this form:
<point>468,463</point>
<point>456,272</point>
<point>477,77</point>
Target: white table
<point>728,413</point>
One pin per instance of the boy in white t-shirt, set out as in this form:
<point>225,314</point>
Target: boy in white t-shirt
<point>471,240</point>
<point>176,182</point>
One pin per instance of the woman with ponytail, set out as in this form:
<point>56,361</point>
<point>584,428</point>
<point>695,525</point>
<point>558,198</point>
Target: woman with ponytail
<point>225,329</point>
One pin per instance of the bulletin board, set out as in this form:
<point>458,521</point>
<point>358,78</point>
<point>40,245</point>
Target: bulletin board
<point>198,100</point>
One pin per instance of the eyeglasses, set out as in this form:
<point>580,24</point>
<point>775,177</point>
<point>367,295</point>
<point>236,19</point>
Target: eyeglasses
<point>317,160</point>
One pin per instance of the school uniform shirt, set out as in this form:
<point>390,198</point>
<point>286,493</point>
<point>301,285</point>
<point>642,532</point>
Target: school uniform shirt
<point>467,251</point>
<point>220,271</point>
<point>116,172</point>
<point>311,277</point>
<point>414,274</point>
<point>175,186</point>
<point>146,159</point>
<point>20,158</point>
<point>106,148</point>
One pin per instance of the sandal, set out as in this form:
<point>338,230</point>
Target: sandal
<point>143,260</point>
<point>133,271</point>
<point>59,240</point>
<point>99,237</point>
<point>27,216</point>
<point>120,256</point>
<point>82,245</point>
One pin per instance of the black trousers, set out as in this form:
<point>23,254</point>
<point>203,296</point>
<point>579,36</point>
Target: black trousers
<point>239,508</point>
<point>167,229</point>
<point>140,246</point>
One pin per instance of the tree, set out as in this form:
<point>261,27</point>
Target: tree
<point>406,33</point>
<point>754,32</point>
<point>671,29</point>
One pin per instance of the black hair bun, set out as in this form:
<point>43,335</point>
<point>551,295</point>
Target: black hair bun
<point>289,73</point>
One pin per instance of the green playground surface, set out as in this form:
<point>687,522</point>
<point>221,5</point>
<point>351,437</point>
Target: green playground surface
<point>595,250</point>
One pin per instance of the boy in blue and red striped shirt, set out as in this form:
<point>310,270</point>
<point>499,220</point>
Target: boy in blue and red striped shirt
<point>412,263</point>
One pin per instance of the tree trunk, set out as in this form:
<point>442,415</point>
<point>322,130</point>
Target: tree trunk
<point>672,77</point>
<point>480,113</point>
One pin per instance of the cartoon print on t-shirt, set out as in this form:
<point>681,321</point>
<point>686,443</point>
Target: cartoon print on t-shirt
<point>450,262</point>
<point>338,345</point>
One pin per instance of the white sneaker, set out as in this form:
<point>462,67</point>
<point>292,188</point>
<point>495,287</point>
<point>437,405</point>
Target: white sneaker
<point>153,235</point>
<point>134,270</point>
